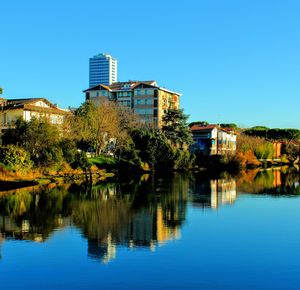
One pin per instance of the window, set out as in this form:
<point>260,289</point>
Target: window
<point>144,111</point>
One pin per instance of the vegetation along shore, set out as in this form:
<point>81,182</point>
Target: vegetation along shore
<point>99,141</point>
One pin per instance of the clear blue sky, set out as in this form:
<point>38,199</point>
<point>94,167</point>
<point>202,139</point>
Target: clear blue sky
<point>233,60</point>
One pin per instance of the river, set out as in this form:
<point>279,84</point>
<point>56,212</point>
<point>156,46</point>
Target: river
<point>183,231</point>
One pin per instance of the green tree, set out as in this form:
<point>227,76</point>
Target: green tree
<point>199,123</point>
<point>39,138</point>
<point>176,129</point>
<point>229,125</point>
<point>1,91</point>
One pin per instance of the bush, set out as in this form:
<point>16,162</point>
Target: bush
<point>183,159</point>
<point>264,150</point>
<point>69,150</point>
<point>18,159</point>
<point>48,157</point>
<point>81,161</point>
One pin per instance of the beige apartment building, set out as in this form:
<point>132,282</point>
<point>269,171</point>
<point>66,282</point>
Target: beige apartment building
<point>148,100</point>
<point>13,109</point>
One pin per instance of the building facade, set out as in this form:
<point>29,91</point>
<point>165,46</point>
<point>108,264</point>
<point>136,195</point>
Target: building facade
<point>213,140</point>
<point>148,100</point>
<point>14,109</point>
<point>103,69</point>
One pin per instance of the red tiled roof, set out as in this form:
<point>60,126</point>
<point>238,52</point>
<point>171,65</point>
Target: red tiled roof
<point>203,128</point>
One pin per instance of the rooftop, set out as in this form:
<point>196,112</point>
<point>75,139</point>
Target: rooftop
<point>131,84</point>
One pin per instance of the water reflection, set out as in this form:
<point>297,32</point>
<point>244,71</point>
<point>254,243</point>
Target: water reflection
<point>212,193</point>
<point>276,182</point>
<point>143,213</point>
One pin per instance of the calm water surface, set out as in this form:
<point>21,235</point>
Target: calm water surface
<point>178,232</point>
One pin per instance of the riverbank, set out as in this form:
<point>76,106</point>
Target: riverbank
<point>11,180</point>
<point>102,168</point>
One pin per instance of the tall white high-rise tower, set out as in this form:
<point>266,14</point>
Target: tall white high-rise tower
<point>103,70</point>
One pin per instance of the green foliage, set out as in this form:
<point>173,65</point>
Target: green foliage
<point>15,157</point>
<point>1,91</point>
<point>273,134</point>
<point>51,156</point>
<point>153,147</point>
<point>81,161</point>
<point>69,150</point>
<point>39,138</point>
<point>264,151</point>
<point>176,129</point>
<point>183,159</point>
<point>229,125</point>
<point>199,123</point>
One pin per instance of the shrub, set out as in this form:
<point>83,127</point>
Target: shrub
<point>69,150</point>
<point>81,161</point>
<point>264,150</point>
<point>183,159</point>
<point>18,159</point>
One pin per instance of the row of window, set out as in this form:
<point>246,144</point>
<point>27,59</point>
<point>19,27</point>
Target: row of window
<point>124,94</point>
<point>144,111</point>
<point>143,92</point>
<point>143,101</point>
<point>101,93</point>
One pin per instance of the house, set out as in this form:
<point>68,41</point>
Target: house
<point>13,109</point>
<point>148,100</point>
<point>211,139</point>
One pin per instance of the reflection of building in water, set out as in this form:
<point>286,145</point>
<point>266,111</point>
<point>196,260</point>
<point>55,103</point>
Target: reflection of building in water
<point>1,240</point>
<point>146,229</point>
<point>104,250</point>
<point>213,193</point>
<point>277,178</point>
<point>23,230</point>
<point>163,232</point>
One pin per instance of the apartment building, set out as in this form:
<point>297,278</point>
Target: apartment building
<point>148,100</point>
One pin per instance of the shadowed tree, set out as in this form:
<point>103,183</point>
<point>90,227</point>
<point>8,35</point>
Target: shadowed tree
<point>176,129</point>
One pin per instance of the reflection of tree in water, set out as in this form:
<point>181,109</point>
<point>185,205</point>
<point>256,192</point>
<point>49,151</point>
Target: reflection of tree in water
<point>32,214</point>
<point>275,182</point>
<point>138,213</point>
